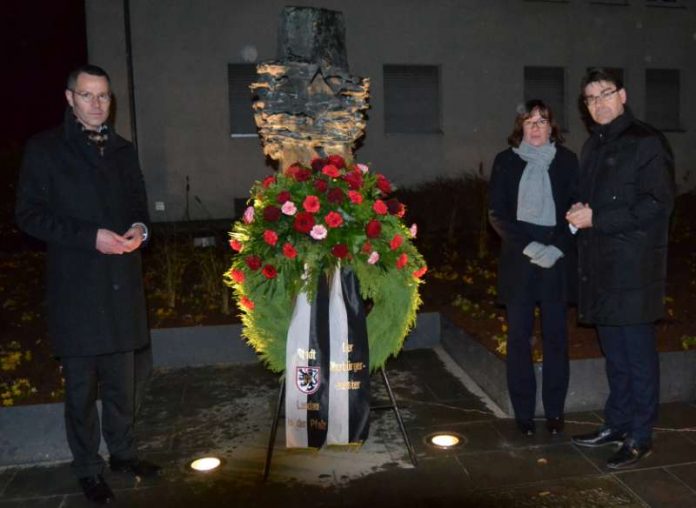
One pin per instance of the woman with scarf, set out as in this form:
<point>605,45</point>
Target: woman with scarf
<point>532,185</point>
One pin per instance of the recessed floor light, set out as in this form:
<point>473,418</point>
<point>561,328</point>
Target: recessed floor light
<point>445,440</point>
<point>205,464</point>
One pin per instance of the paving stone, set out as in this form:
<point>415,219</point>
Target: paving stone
<point>686,473</point>
<point>658,488</point>
<point>35,502</point>
<point>676,415</point>
<point>227,411</point>
<point>5,478</point>
<point>587,492</point>
<point>43,481</point>
<point>516,466</point>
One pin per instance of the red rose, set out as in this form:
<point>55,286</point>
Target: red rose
<point>268,181</point>
<point>311,204</point>
<point>383,184</point>
<point>302,175</point>
<point>283,196</point>
<point>367,247</point>
<point>355,197</point>
<point>354,179</point>
<point>395,207</point>
<point>333,219</point>
<point>396,242</point>
<point>291,171</point>
<point>269,272</point>
<point>236,275</point>
<point>289,251</point>
<point>337,161</point>
<point>340,250</point>
<point>246,303</point>
<point>320,185</point>
<point>270,237</point>
<point>253,262</point>
<point>318,163</point>
<point>331,170</point>
<point>336,195</point>
<point>271,213</point>
<point>401,261</point>
<point>380,207</point>
<point>236,245</point>
<point>303,222</point>
<point>373,229</point>
<point>420,272</point>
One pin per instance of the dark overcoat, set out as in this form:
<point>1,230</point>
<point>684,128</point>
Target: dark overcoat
<point>66,192</point>
<point>627,177</point>
<point>519,280</point>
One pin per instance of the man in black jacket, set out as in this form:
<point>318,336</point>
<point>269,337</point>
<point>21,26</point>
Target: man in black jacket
<point>626,196</point>
<point>82,192</point>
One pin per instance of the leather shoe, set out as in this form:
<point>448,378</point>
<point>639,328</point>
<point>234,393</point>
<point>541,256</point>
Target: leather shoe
<point>136,467</point>
<point>554,425</point>
<point>628,455</point>
<point>526,427</point>
<point>96,489</point>
<point>601,437</point>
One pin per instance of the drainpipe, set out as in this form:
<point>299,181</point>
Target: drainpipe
<point>129,66</point>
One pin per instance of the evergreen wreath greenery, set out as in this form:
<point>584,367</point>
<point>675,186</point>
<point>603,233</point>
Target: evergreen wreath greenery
<point>302,224</point>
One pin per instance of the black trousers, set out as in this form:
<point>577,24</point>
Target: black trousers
<point>633,372</point>
<point>520,367</point>
<point>111,377</point>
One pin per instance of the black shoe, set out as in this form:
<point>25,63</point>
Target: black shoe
<point>601,437</point>
<point>554,425</point>
<point>526,427</point>
<point>628,455</point>
<point>96,489</point>
<point>136,467</point>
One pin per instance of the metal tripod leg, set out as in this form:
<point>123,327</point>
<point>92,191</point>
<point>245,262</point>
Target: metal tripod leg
<point>397,413</point>
<point>274,430</point>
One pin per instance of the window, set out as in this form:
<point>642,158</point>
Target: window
<point>411,99</point>
<point>547,84</point>
<point>665,3</point>
<point>609,2</point>
<point>239,77</point>
<point>662,98</point>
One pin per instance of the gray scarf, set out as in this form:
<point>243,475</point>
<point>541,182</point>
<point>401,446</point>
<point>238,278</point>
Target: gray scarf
<point>534,196</point>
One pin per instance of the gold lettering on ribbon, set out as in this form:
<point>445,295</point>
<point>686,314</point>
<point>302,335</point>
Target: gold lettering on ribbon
<point>348,385</point>
<point>317,424</point>
<point>346,366</point>
<point>307,355</point>
<point>308,406</point>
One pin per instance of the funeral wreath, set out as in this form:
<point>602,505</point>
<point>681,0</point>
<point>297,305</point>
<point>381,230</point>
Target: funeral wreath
<point>303,223</point>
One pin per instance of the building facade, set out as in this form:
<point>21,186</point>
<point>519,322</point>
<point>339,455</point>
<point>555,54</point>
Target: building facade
<point>446,79</point>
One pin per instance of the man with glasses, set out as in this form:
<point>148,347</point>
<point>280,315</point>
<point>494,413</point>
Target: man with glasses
<point>626,195</point>
<point>81,191</point>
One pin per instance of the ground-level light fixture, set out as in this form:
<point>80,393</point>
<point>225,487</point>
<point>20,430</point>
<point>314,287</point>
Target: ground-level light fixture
<point>445,440</point>
<point>205,464</point>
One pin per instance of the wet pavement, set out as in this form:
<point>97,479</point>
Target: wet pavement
<point>227,411</point>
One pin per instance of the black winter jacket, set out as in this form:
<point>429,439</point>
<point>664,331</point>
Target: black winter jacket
<point>627,177</point>
<point>519,280</point>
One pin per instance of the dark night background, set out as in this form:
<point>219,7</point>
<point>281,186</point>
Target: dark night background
<point>42,41</point>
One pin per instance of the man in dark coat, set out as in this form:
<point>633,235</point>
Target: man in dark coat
<point>627,193</point>
<point>82,192</point>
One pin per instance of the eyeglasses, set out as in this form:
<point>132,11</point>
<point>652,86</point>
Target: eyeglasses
<point>591,100</point>
<point>88,97</point>
<point>542,122</point>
